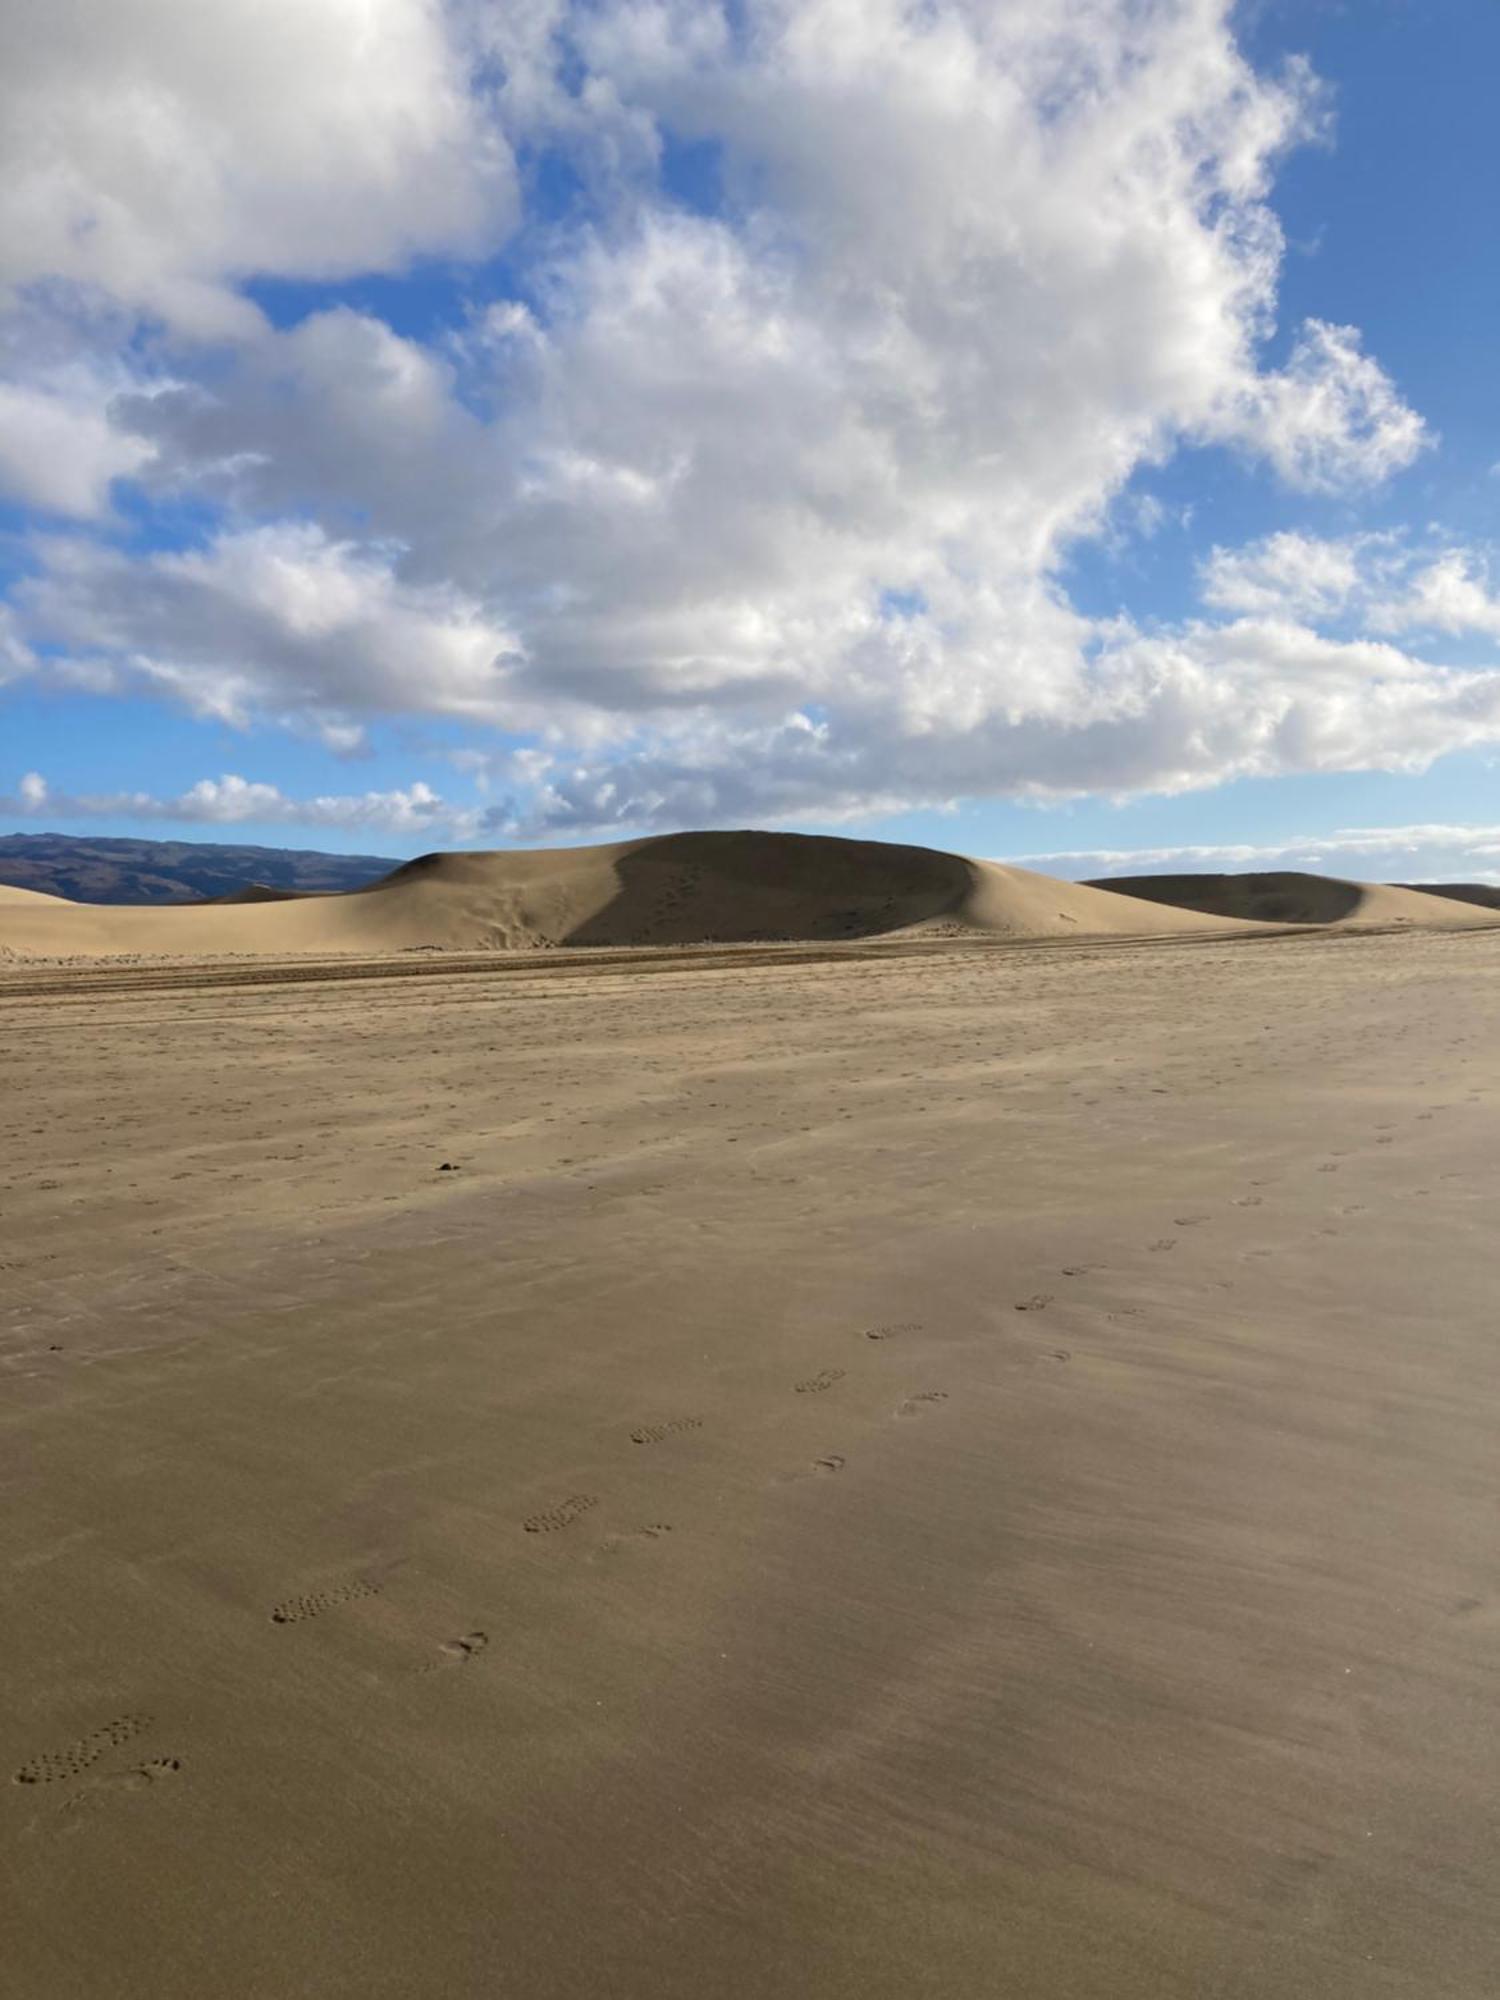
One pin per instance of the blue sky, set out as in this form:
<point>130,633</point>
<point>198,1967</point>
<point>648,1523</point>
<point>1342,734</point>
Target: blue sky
<point>1031,429</point>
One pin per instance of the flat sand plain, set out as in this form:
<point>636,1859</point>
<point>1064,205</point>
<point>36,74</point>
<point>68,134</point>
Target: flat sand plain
<point>960,1471</point>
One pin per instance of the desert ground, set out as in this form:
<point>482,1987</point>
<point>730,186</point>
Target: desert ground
<point>953,1467</point>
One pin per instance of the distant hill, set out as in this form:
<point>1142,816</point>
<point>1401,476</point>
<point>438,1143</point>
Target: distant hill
<point>172,871</point>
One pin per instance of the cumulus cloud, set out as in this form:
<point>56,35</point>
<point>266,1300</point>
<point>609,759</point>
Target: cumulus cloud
<point>1146,712</point>
<point>757,503</point>
<point>274,620</point>
<point>158,153</point>
<point>235,801</point>
<point>1332,417</point>
<point>1387,582</point>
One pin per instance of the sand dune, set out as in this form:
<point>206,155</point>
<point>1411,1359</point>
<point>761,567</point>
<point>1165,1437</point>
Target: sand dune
<point>689,888</point>
<point>1485,893</point>
<point>13,898</point>
<point>1291,898</point>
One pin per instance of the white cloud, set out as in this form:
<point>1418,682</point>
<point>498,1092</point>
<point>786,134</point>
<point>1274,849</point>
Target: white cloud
<point>1287,574</point>
<point>58,450</point>
<point>1332,417</point>
<point>1384,582</point>
<point>1450,594</point>
<point>277,620</point>
<point>973,267</point>
<point>157,152</point>
<point>234,801</point>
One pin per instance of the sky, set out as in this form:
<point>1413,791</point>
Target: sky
<point>1057,430</point>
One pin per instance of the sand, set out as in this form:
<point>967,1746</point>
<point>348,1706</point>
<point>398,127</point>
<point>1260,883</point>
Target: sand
<point>673,889</point>
<point>953,1468</point>
<point>1290,898</point>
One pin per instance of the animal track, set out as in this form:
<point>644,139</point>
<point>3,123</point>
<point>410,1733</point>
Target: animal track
<point>561,1516</point>
<point>1163,1243</point>
<point>824,1379</point>
<point>1038,1302</point>
<point>654,1433</point>
<point>292,1610</point>
<point>832,1462</point>
<point>913,1405</point>
<point>53,1766</point>
<point>892,1331</point>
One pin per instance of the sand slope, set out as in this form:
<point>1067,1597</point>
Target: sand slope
<point>1291,898</point>
<point>1485,893</point>
<point>688,888</point>
<point>13,898</point>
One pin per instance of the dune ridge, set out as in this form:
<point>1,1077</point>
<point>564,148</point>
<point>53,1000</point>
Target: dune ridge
<point>1288,897</point>
<point>671,889</point>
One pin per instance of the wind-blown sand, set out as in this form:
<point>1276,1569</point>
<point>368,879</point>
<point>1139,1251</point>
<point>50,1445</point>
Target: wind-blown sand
<point>687,888</point>
<point>952,1469</point>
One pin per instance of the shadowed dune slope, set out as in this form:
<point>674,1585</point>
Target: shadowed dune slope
<point>1289,898</point>
<point>689,888</point>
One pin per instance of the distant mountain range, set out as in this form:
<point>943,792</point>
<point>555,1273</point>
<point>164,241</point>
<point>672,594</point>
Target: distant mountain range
<point>171,871</point>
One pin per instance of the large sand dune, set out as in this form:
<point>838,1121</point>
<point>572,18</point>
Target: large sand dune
<point>689,888</point>
<point>1291,898</point>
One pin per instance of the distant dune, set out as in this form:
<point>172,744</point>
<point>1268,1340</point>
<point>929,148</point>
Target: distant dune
<point>689,888</point>
<point>1289,898</point>
<point>1485,893</point>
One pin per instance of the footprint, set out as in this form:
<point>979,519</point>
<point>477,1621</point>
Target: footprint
<point>824,1379</point>
<point>832,1462</point>
<point>561,1516</point>
<point>654,1433</point>
<point>457,1652</point>
<point>893,1331</point>
<point>913,1405</point>
<point>1076,1270</point>
<point>292,1610</point>
<point>1163,1243</point>
<point>54,1766</point>
<point>155,1771</point>
<point>652,1531</point>
<point>1035,1304</point>
<point>1189,1221</point>
<point>1247,1201</point>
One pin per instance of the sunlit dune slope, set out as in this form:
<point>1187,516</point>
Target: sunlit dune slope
<point>688,888</point>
